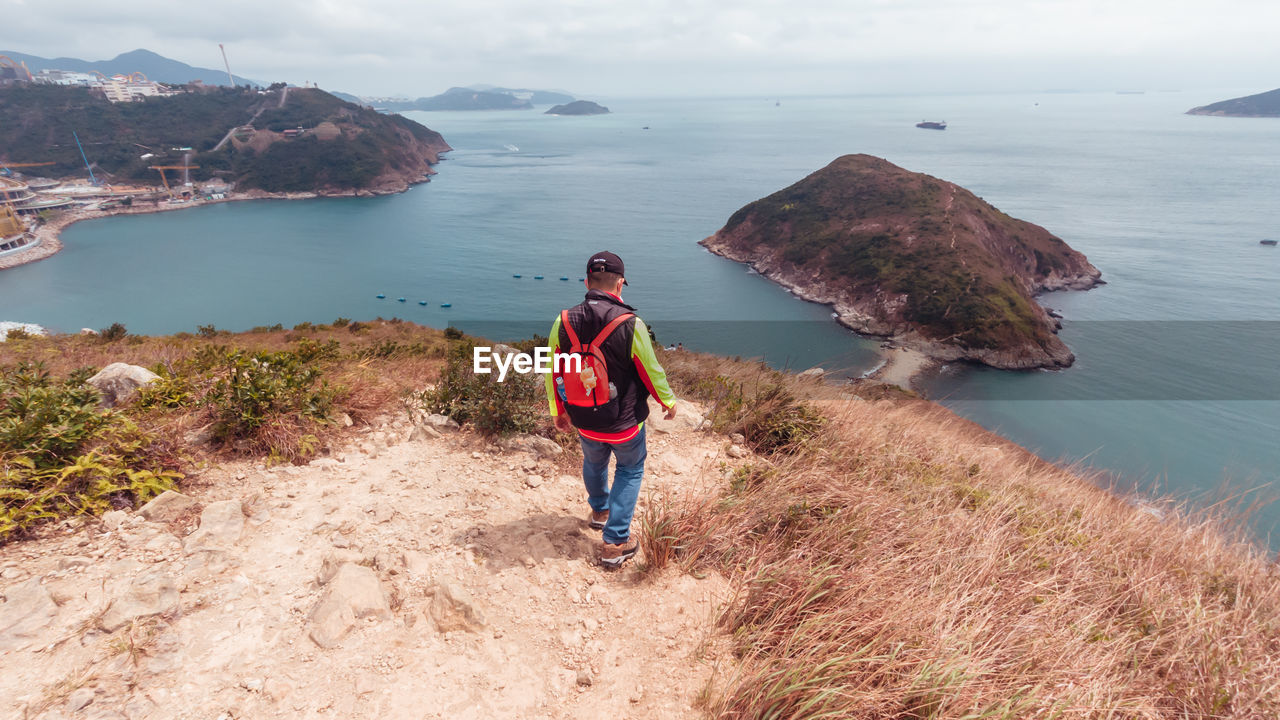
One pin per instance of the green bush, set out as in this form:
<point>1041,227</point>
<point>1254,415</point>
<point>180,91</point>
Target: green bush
<point>61,454</point>
<point>768,415</point>
<point>112,333</point>
<point>255,387</point>
<point>492,407</point>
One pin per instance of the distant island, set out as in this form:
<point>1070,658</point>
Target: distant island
<point>282,140</point>
<point>478,97</point>
<point>1262,105</point>
<point>578,107</point>
<point>907,256</point>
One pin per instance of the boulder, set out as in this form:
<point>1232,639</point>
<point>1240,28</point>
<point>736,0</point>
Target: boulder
<point>167,506</point>
<point>453,609</point>
<point>113,519</point>
<point>737,451</point>
<point>147,595</point>
<point>689,416</point>
<point>118,382</point>
<point>353,593</point>
<point>441,424</point>
<point>25,611</point>
<point>423,433</point>
<point>815,372</point>
<point>535,444</point>
<point>221,525</point>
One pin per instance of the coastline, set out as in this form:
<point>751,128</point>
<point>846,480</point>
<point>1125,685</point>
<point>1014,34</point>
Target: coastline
<point>48,235</point>
<point>902,366</point>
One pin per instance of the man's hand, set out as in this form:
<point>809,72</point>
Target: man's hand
<point>563,424</point>
<point>671,413</point>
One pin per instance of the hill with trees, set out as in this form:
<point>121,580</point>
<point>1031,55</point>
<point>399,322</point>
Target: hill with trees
<point>909,256</point>
<point>1265,104</point>
<point>278,140</point>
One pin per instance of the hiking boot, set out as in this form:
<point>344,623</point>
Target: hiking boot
<point>598,519</point>
<point>612,556</point>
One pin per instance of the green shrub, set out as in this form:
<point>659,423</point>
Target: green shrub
<point>492,407</point>
<point>112,333</point>
<point>207,331</point>
<point>258,386</point>
<point>61,454</point>
<point>768,415</point>
<point>342,322</point>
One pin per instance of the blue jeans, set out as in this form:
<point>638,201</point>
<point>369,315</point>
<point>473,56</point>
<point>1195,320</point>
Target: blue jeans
<point>620,500</point>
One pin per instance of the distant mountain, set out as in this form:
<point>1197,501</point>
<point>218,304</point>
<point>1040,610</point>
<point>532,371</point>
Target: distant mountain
<point>347,97</point>
<point>459,98</point>
<point>1265,104</point>
<point>578,107</point>
<point>155,67</point>
<point>537,97</point>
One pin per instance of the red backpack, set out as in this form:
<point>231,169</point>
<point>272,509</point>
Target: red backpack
<point>588,388</point>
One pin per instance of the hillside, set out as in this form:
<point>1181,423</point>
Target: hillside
<point>1266,104</point>
<point>156,67</point>
<point>809,550</point>
<point>343,147</point>
<point>578,107</point>
<point>912,257</point>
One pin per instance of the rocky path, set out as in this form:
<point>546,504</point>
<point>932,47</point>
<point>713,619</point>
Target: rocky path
<point>433,577</point>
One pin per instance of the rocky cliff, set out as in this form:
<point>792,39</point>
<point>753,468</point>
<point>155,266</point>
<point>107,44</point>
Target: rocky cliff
<point>911,257</point>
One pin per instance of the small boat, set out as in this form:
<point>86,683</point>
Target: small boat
<point>1267,242</point>
<point>564,279</point>
<point>537,277</point>
<point>422,302</point>
<point>381,296</point>
<point>399,299</point>
<point>932,124</point>
<point>446,304</point>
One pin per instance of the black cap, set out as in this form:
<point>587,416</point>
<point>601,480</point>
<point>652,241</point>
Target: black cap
<point>606,261</point>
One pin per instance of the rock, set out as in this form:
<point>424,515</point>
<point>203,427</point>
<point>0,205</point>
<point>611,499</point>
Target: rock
<point>27,610</point>
<point>151,594</point>
<point>80,699</point>
<point>503,349</point>
<point>416,563</point>
<point>523,442</point>
<point>200,436</point>
<point>335,559</point>
<point>353,593</point>
<point>441,423</point>
<point>584,678</point>
<point>113,519</point>
<point>88,331</point>
<point>221,524</point>
<point>346,420</point>
<point>689,416</point>
<point>532,481</point>
<point>738,439</point>
<point>453,609</point>
<point>815,372</point>
<point>74,561</point>
<point>118,382</point>
<point>737,451</point>
<point>423,433</point>
<point>167,506</point>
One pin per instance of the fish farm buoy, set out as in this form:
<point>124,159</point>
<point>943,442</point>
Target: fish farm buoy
<point>517,275</point>
<point>422,302</point>
<point>446,304</point>
<point>565,279</point>
<point>537,277</point>
<point>582,279</point>
<point>399,299</point>
<point>381,296</point>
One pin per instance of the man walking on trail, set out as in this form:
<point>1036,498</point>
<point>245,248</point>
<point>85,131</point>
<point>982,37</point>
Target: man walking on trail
<point>607,398</point>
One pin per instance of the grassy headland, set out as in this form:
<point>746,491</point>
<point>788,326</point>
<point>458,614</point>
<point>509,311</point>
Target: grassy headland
<point>1265,104</point>
<point>889,558</point>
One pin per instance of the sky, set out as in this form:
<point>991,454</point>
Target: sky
<point>681,47</point>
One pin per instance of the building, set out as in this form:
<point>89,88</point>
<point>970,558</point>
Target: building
<point>125,89</point>
<point>66,77</point>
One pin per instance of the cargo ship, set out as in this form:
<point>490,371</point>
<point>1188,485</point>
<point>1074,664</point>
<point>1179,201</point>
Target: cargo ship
<point>932,124</point>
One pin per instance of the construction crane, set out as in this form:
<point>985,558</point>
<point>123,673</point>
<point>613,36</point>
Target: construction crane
<point>6,167</point>
<point>230,79</point>
<point>165,180</point>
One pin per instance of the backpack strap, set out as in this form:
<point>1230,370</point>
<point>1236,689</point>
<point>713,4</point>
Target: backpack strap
<point>573,336</point>
<point>608,329</point>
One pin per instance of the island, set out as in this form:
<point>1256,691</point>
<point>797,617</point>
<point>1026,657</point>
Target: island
<point>578,107</point>
<point>1262,105</point>
<point>460,98</point>
<point>919,260</point>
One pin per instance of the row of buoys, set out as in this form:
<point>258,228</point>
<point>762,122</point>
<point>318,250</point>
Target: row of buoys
<point>382,296</point>
<point>563,278</point>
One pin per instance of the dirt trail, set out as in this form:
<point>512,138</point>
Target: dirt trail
<point>453,532</point>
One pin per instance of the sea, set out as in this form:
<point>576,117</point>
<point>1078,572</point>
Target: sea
<point>1175,391</point>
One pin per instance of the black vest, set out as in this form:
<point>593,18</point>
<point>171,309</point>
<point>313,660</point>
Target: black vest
<point>588,318</point>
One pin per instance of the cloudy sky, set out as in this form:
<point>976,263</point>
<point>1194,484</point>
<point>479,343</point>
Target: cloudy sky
<point>681,47</point>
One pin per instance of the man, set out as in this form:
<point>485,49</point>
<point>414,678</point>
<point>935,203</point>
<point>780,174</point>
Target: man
<point>608,399</point>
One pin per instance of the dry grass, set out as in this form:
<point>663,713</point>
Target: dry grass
<point>910,565</point>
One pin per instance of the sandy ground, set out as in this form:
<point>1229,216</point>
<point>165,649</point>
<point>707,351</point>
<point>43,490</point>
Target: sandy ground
<point>554,635</point>
<point>902,366</point>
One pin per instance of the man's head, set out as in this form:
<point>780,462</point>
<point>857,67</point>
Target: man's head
<point>606,272</point>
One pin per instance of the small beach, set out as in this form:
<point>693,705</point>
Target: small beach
<point>901,367</point>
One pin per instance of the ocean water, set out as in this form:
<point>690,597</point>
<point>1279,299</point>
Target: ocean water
<point>1175,386</point>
